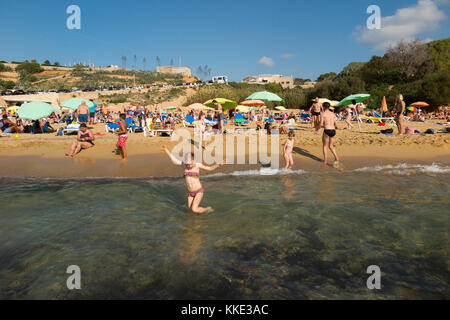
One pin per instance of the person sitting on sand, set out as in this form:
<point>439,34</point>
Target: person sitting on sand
<point>85,140</point>
<point>329,123</point>
<point>192,179</point>
<point>288,147</point>
<point>9,126</point>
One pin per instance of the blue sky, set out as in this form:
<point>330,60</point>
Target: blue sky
<point>235,38</point>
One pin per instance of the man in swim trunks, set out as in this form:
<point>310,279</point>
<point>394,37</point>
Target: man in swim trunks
<point>122,133</point>
<point>329,124</point>
<point>83,113</point>
<point>315,111</point>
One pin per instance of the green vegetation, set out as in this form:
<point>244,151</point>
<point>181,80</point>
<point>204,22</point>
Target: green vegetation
<point>4,68</point>
<point>6,85</point>
<point>27,70</point>
<point>421,72</point>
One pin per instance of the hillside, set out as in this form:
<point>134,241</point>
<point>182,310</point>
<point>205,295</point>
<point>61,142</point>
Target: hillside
<point>40,77</point>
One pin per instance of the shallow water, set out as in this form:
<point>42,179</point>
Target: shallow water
<point>273,235</point>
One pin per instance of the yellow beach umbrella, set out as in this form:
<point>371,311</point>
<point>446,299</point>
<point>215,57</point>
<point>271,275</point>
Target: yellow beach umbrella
<point>280,108</point>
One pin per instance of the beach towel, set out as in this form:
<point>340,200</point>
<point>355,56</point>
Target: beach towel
<point>387,131</point>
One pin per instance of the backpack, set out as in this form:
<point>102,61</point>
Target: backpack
<point>387,131</point>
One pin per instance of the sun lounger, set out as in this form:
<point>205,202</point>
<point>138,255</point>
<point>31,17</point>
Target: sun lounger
<point>72,128</point>
<point>239,119</point>
<point>189,120</point>
<point>155,132</point>
<point>111,126</point>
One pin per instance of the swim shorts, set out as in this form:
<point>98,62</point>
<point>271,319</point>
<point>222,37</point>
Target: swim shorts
<point>315,113</point>
<point>122,141</point>
<point>83,118</point>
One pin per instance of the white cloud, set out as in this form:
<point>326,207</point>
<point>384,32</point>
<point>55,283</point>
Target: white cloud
<point>405,24</point>
<point>267,61</point>
<point>287,56</point>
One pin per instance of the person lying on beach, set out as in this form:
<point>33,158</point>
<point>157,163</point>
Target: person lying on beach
<point>329,124</point>
<point>85,140</point>
<point>288,147</point>
<point>192,179</point>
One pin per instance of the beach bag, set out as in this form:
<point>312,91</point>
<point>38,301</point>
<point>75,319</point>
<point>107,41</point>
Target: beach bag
<point>60,132</point>
<point>382,124</point>
<point>387,131</point>
<point>409,130</point>
<point>429,131</point>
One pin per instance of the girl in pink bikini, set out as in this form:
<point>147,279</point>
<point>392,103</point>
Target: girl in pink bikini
<point>288,147</point>
<point>192,178</point>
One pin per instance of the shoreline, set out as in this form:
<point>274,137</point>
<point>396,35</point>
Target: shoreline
<point>158,166</point>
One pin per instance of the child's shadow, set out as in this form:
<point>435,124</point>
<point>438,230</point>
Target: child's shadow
<point>306,153</point>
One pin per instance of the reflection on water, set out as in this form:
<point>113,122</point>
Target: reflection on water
<point>298,236</point>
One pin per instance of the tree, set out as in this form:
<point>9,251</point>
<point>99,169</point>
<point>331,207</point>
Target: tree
<point>26,69</point>
<point>327,76</point>
<point>273,87</point>
<point>408,57</point>
<point>47,63</point>
<point>4,68</point>
<point>56,64</point>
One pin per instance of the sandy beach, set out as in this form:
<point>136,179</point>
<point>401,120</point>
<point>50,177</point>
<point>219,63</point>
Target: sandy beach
<point>29,155</point>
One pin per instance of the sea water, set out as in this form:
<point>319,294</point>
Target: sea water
<point>274,234</point>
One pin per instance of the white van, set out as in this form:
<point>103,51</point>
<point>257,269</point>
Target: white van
<point>220,79</point>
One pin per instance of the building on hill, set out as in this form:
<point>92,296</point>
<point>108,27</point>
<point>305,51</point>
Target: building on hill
<point>285,82</point>
<point>186,72</point>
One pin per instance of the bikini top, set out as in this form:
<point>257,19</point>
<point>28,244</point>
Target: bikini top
<point>189,173</point>
<point>84,136</point>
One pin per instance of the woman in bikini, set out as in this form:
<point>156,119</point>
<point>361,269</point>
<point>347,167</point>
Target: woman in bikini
<point>192,179</point>
<point>399,110</point>
<point>288,147</point>
<point>85,140</point>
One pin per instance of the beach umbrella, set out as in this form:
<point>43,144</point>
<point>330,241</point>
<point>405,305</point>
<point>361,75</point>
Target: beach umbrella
<point>280,108</point>
<point>197,106</point>
<point>253,103</point>
<point>171,108</point>
<point>242,108</point>
<point>384,104</point>
<point>334,103</point>
<point>420,104</point>
<point>226,104</point>
<point>13,108</point>
<point>265,96</point>
<point>35,110</point>
<point>323,100</point>
<point>357,97</point>
<point>74,103</point>
<point>412,109</point>
<point>3,103</point>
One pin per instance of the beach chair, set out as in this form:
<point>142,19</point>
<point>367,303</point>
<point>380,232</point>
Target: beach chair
<point>239,119</point>
<point>386,120</point>
<point>305,117</point>
<point>71,128</point>
<point>131,124</point>
<point>189,120</point>
<point>111,126</point>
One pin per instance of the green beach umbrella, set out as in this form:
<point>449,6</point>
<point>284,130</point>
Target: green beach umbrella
<point>357,97</point>
<point>265,96</point>
<point>35,110</point>
<point>171,108</point>
<point>226,104</point>
<point>74,103</point>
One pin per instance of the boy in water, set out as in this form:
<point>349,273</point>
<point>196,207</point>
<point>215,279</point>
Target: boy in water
<point>315,111</point>
<point>329,124</point>
<point>122,133</point>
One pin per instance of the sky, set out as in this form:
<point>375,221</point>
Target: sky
<point>235,38</point>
